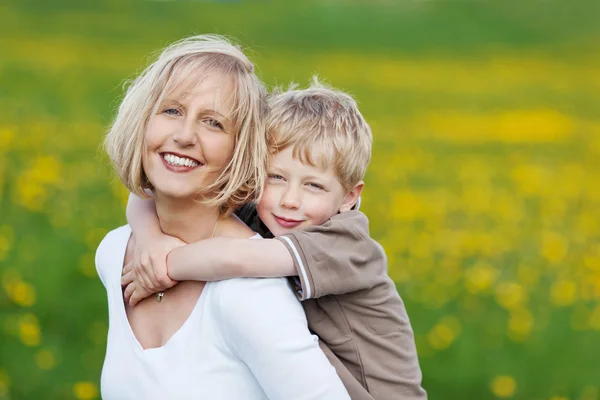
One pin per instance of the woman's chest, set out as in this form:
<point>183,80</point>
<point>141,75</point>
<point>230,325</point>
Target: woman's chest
<point>154,323</point>
<point>195,363</point>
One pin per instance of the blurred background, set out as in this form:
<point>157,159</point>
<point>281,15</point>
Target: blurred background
<point>484,186</point>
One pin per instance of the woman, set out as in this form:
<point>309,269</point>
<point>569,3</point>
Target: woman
<point>190,130</point>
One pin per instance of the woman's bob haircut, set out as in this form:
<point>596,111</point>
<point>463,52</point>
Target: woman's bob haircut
<point>243,177</point>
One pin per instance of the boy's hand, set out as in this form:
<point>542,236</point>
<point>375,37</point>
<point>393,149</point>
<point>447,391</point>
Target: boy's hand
<point>148,270</point>
<point>133,293</point>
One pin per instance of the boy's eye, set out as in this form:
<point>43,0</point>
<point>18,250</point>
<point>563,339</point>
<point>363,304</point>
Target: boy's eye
<point>316,186</point>
<point>214,123</point>
<point>275,177</point>
<point>172,111</point>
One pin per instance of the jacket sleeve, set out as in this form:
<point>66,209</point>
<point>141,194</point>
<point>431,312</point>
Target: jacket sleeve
<point>337,257</point>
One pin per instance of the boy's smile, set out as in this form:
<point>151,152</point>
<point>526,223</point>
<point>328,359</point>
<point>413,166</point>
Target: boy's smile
<point>298,195</point>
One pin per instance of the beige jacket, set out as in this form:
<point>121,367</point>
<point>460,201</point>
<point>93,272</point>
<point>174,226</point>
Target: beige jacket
<point>354,308</point>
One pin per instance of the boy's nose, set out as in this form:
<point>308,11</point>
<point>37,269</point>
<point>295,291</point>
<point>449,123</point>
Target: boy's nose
<point>290,199</point>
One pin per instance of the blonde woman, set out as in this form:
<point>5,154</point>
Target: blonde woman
<point>190,131</point>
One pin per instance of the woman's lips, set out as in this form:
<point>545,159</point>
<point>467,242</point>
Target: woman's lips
<point>287,223</point>
<point>177,168</point>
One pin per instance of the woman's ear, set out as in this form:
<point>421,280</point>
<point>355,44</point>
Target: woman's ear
<point>352,197</point>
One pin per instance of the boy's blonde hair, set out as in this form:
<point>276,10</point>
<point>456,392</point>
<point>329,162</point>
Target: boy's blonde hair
<point>243,178</point>
<point>324,127</point>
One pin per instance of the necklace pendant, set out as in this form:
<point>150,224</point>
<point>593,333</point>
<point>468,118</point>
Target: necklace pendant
<point>159,296</point>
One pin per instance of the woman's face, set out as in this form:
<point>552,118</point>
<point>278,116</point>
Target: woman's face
<point>190,139</point>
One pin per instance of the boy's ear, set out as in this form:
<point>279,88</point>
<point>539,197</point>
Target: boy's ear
<point>352,197</point>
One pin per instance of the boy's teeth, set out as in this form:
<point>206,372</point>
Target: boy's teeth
<point>179,161</point>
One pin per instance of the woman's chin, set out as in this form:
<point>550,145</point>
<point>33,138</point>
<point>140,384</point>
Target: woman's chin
<point>175,193</point>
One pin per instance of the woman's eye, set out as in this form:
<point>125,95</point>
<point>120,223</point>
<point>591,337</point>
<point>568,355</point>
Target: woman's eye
<point>214,123</point>
<point>172,111</point>
<point>275,177</point>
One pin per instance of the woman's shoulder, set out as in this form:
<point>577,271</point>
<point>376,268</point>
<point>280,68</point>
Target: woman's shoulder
<point>256,298</point>
<point>116,237</point>
<point>110,249</point>
<point>232,226</point>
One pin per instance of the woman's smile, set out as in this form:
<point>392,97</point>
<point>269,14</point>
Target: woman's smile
<point>176,162</point>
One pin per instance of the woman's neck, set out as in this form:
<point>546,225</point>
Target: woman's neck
<point>186,219</point>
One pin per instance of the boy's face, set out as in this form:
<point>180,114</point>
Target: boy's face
<point>297,195</point>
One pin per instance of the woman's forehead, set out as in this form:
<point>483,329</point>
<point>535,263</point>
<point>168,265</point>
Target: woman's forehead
<point>208,89</point>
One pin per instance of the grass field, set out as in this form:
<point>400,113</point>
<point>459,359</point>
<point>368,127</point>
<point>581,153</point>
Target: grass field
<point>484,187</point>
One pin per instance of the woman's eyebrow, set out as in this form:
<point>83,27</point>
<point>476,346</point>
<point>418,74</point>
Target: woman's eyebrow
<point>225,117</point>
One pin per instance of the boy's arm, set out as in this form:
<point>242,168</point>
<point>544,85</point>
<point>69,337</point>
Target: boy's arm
<point>141,216</point>
<point>152,245</point>
<point>224,257</point>
<point>337,257</point>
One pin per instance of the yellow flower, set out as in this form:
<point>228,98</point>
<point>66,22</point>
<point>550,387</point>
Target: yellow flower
<point>504,386</point>
<point>444,333</point>
<point>45,359</point>
<point>528,275</point>
<point>6,240</point>
<point>520,324</point>
<point>563,293</point>
<point>4,382</point>
<point>23,294</point>
<point>29,330</point>
<point>480,277</point>
<point>406,206</point>
<point>7,134</point>
<point>85,390</point>
<point>554,246</point>
<point>510,295</point>
<point>595,318</point>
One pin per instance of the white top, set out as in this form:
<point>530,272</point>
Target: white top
<point>245,339</point>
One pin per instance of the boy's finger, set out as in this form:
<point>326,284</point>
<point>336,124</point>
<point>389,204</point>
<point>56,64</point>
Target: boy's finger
<point>142,278</point>
<point>129,291</point>
<point>127,268</point>
<point>134,299</point>
<point>139,295</point>
<point>127,278</point>
<point>164,281</point>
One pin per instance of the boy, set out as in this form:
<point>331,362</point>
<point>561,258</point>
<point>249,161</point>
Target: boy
<point>320,146</point>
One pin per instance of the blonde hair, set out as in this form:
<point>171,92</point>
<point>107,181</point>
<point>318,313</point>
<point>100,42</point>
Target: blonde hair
<point>324,127</point>
<point>243,177</point>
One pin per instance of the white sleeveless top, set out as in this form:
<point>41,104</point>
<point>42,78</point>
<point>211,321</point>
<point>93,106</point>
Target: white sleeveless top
<point>245,339</point>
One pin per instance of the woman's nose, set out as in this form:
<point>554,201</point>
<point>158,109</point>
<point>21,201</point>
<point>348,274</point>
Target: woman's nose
<point>186,136</point>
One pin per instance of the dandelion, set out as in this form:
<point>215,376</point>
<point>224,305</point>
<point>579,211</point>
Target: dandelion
<point>4,383</point>
<point>480,277</point>
<point>595,318</point>
<point>85,390</point>
<point>29,330</point>
<point>510,295</point>
<point>563,293</point>
<point>6,240</point>
<point>444,333</point>
<point>520,324</point>
<point>45,359</point>
<point>553,247</point>
<point>22,293</point>
<point>504,386</point>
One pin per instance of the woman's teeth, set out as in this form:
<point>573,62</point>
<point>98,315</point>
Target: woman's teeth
<point>179,161</point>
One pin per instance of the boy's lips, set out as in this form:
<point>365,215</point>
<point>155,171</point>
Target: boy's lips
<point>287,222</point>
